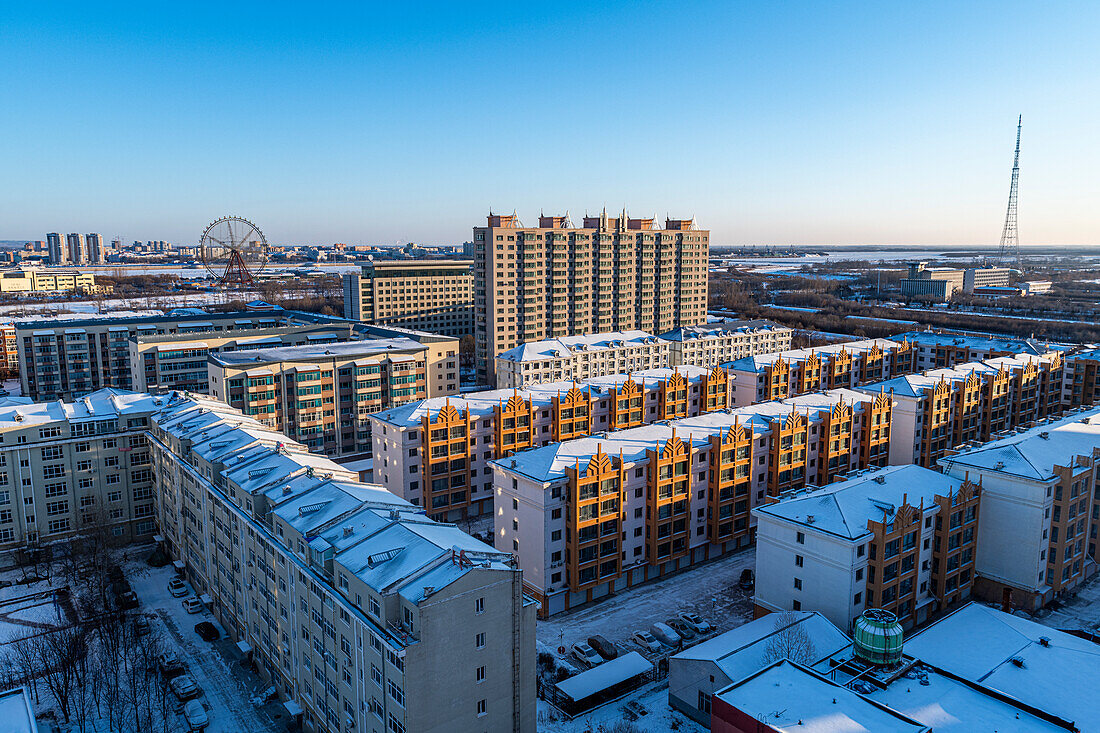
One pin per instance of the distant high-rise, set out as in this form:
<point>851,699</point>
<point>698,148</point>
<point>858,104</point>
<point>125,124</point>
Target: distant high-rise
<point>56,248</point>
<point>612,274</point>
<point>77,248</point>
<point>96,255</point>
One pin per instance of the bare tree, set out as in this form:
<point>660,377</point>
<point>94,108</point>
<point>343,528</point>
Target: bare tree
<point>56,653</point>
<point>790,641</point>
<point>25,662</point>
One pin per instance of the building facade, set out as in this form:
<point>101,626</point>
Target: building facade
<point>592,515</point>
<point>936,284</point>
<point>899,538</point>
<point>355,606</point>
<point>57,252</point>
<point>69,468</point>
<point>426,295</point>
<point>1039,509</point>
<point>985,277</point>
<point>29,281</point>
<point>611,274</point>
<point>715,343</point>
<point>323,395</point>
<point>580,357</point>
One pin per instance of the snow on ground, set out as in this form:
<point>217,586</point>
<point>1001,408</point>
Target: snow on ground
<point>13,388</point>
<point>709,590</point>
<point>1079,612</point>
<point>227,686</point>
<point>110,305</point>
<point>653,698</point>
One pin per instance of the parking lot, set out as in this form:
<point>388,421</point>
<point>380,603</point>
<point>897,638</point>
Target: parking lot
<point>709,591</point>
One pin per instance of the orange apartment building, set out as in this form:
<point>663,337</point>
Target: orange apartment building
<point>10,356</point>
<point>593,515</point>
<point>437,452</point>
<point>556,279</point>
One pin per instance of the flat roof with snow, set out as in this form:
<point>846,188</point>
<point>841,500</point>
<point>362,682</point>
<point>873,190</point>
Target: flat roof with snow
<point>601,677</point>
<point>16,713</point>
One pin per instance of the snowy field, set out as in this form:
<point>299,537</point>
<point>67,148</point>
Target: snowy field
<point>709,590</point>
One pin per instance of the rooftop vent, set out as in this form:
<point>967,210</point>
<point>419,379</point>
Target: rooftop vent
<point>381,557</point>
<point>1044,435</point>
<point>877,637</point>
<point>348,530</point>
<point>286,490</point>
<point>810,519</point>
<point>880,479</point>
<point>1044,641</point>
<point>1019,662</point>
<point>999,465</point>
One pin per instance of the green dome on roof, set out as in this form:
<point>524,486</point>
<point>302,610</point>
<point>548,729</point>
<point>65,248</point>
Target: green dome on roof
<point>877,637</point>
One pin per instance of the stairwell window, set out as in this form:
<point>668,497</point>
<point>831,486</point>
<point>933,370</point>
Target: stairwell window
<point>479,640</point>
<point>479,605</point>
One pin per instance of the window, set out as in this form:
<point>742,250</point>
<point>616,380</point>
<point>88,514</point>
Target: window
<point>480,708</point>
<point>800,538</point>
<point>479,640</point>
<point>479,605</point>
<point>798,561</point>
<point>798,583</point>
<point>479,674</point>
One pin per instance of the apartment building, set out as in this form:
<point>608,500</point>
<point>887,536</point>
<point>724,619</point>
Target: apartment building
<point>77,248</point>
<point>611,274</point>
<point>161,363</point>
<point>590,516</point>
<point>942,349</point>
<point>358,609</point>
<point>68,356</point>
<point>97,255</point>
<point>985,277</point>
<point>436,453</point>
<point>426,295</point>
<point>9,357</point>
<point>1040,509</point>
<point>1081,387</point>
<point>940,409</point>
<point>783,374</point>
<point>72,467</point>
<point>322,395</point>
<point>31,281</point>
<point>56,249</point>
<point>899,538</point>
<point>580,357</point>
<point>720,342</point>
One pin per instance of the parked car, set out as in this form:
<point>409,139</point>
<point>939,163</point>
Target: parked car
<point>177,588</point>
<point>666,634</point>
<point>184,687</point>
<point>698,625</point>
<point>646,641</point>
<point>208,631</point>
<point>586,654</point>
<point>605,648</point>
<point>192,604</point>
<point>170,665</point>
<point>681,628</point>
<point>128,601</point>
<point>748,580</point>
<point>142,626</point>
<point>196,716</point>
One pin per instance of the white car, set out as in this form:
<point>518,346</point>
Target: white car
<point>196,716</point>
<point>184,687</point>
<point>586,654</point>
<point>177,588</point>
<point>697,624</point>
<point>647,641</point>
<point>192,605</point>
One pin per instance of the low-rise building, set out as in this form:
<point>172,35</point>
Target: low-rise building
<point>82,466</point>
<point>323,395</point>
<point>436,453</point>
<point>986,277</point>
<point>900,538</point>
<point>32,281</point>
<point>571,358</point>
<point>426,295</point>
<point>936,284</point>
<point>943,349</point>
<point>940,409</point>
<point>1037,540</point>
<point>720,342</point>
<point>356,607</point>
<point>592,515</point>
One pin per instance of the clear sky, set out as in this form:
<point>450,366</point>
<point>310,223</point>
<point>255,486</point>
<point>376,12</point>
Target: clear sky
<point>771,122</point>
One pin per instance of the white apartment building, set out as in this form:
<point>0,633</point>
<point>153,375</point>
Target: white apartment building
<point>1039,508</point>
<point>720,342</point>
<point>596,514</point>
<point>360,610</point>
<point>899,538</point>
<point>68,467</point>
<point>567,358</point>
<point>416,456</point>
<point>939,349</point>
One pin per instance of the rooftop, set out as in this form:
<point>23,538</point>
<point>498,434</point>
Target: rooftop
<point>979,342</point>
<point>100,405</point>
<point>1033,453</point>
<point>760,361</point>
<point>843,508</point>
<point>319,352</point>
<point>565,346</point>
<point>720,328</point>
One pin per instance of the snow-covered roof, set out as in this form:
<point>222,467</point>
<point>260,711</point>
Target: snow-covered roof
<point>1048,669</point>
<point>347,349</point>
<point>599,678</point>
<point>843,508</point>
<point>1033,453</point>
<point>981,343</point>
<point>99,405</point>
<point>788,697</point>
<point>743,650</point>
<point>566,346</point>
<point>758,362</point>
<point>16,711</point>
<point>720,329</point>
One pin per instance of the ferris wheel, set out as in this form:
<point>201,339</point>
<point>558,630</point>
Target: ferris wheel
<point>233,250</point>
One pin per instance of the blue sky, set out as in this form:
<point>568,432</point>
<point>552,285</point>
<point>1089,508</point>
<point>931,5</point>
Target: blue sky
<point>785,122</point>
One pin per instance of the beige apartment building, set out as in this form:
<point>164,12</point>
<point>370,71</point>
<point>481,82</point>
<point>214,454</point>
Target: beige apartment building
<point>322,395</point>
<point>362,613</point>
<point>31,281</point>
<point>611,274</point>
<point>427,295</point>
<point>71,467</point>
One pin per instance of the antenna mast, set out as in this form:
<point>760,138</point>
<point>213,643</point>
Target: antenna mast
<point>1010,238</point>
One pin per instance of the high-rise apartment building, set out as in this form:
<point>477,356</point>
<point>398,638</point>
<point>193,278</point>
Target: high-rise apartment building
<point>77,248</point>
<point>96,254</point>
<point>427,295</point>
<point>611,274</point>
<point>55,246</point>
